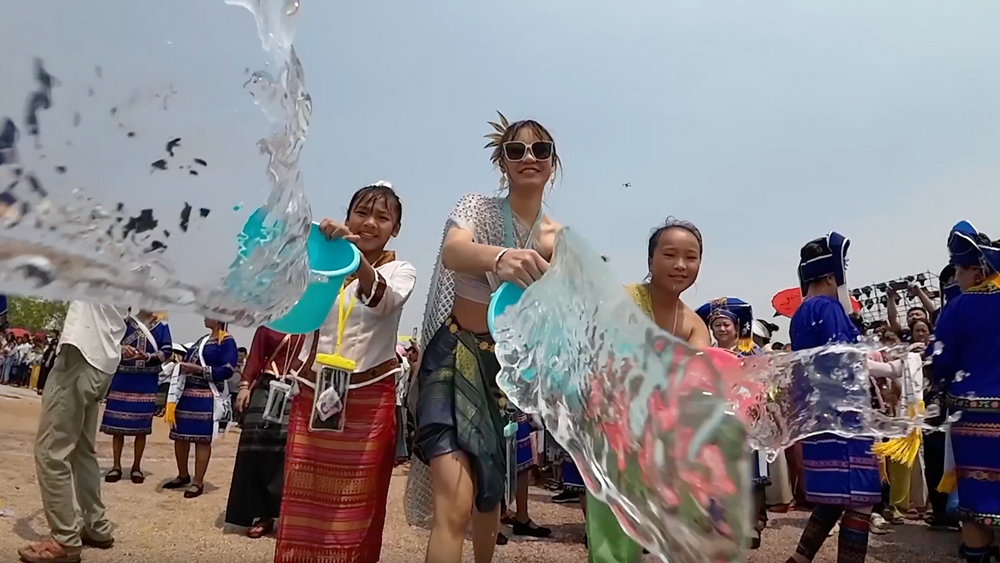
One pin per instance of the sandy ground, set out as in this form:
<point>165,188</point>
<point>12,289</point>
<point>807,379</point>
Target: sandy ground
<point>161,526</point>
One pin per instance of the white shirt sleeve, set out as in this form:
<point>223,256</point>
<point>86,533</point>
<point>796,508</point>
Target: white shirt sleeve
<point>390,293</point>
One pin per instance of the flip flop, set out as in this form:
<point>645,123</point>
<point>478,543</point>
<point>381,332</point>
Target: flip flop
<point>48,551</point>
<point>137,476</point>
<point>259,530</point>
<point>113,476</point>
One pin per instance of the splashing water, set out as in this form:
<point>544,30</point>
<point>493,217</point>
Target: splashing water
<point>659,430</point>
<point>644,416</point>
<point>110,171</point>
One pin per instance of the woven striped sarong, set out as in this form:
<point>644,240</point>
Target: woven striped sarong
<point>336,483</point>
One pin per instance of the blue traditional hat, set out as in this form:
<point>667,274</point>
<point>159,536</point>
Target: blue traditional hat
<point>736,310</point>
<point>832,264</point>
<point>970,248</point>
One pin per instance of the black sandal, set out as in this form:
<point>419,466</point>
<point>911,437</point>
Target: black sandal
<point>194,491</point>
<point>113,476</point>
<point>137,476</point>
<point>530,529</point>
<point>178,483</point>
<point>89,541</point>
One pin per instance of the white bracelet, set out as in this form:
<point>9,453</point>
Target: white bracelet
<point>496,261</point>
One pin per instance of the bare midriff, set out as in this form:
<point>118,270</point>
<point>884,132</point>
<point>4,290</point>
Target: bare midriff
<point>470,315</point>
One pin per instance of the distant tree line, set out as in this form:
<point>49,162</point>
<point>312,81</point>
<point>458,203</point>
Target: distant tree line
<point>35,315</point>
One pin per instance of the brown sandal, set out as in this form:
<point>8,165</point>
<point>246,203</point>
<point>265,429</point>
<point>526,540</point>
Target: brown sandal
<point>260,530</point>
<point>49,551</point>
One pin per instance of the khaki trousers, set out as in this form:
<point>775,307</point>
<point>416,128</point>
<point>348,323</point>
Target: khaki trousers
<point>65,449</point>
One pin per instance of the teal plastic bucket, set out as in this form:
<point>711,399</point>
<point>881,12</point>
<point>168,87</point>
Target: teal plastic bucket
<point>505,296</point>
<point>333,260</point>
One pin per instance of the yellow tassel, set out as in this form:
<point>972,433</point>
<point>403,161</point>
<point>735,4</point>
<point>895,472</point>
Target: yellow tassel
<point>883,472</point>
<point>948,483</point>
<point>745,345</point>
<point>901,450</point>
<point>170,417</point>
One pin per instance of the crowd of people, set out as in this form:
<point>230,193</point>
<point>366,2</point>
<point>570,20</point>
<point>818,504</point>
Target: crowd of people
<point>25,359</point>
<point>316,451</point>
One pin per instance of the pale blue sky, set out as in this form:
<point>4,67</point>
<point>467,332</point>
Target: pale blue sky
<point>765,123</point>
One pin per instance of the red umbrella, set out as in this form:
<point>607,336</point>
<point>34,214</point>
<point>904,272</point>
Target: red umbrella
<point>18,332</point>
<point>786,302</point>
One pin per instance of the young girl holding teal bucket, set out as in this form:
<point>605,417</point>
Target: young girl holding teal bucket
<point>461,414</point>
<point>337,478</point>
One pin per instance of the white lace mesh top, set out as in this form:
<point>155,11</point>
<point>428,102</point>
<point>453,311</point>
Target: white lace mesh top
<point>483,217</point>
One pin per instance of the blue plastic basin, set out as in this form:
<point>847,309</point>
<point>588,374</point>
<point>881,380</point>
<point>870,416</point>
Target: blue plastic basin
<point>505,296</point>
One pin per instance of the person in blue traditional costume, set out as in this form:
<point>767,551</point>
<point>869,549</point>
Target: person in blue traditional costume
<point>731,322</point>
<point>193,415</point>
<point>967,370</point>
<point>4,322</point>
<point>841,474</point>
<point>132,397</point>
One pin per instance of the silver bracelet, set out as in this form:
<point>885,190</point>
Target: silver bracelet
<point>496,261</point>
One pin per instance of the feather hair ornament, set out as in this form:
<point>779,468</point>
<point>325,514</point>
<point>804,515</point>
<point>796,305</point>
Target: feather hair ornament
<point>499,129</point>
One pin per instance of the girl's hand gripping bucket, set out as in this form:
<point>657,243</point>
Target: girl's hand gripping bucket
<point>332,260</point>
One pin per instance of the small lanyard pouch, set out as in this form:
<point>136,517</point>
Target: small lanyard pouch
<point>334,379</point>
<point>282,388</point>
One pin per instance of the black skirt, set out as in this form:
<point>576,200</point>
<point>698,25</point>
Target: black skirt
<point>258,476</point>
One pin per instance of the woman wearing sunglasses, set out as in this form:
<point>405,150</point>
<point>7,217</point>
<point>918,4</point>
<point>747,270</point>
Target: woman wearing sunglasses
<point>461,412</point>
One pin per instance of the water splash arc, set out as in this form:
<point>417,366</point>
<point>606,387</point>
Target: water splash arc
<point>80,244</point>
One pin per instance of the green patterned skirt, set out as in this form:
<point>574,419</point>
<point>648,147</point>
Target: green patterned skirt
<point>461,408</point>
